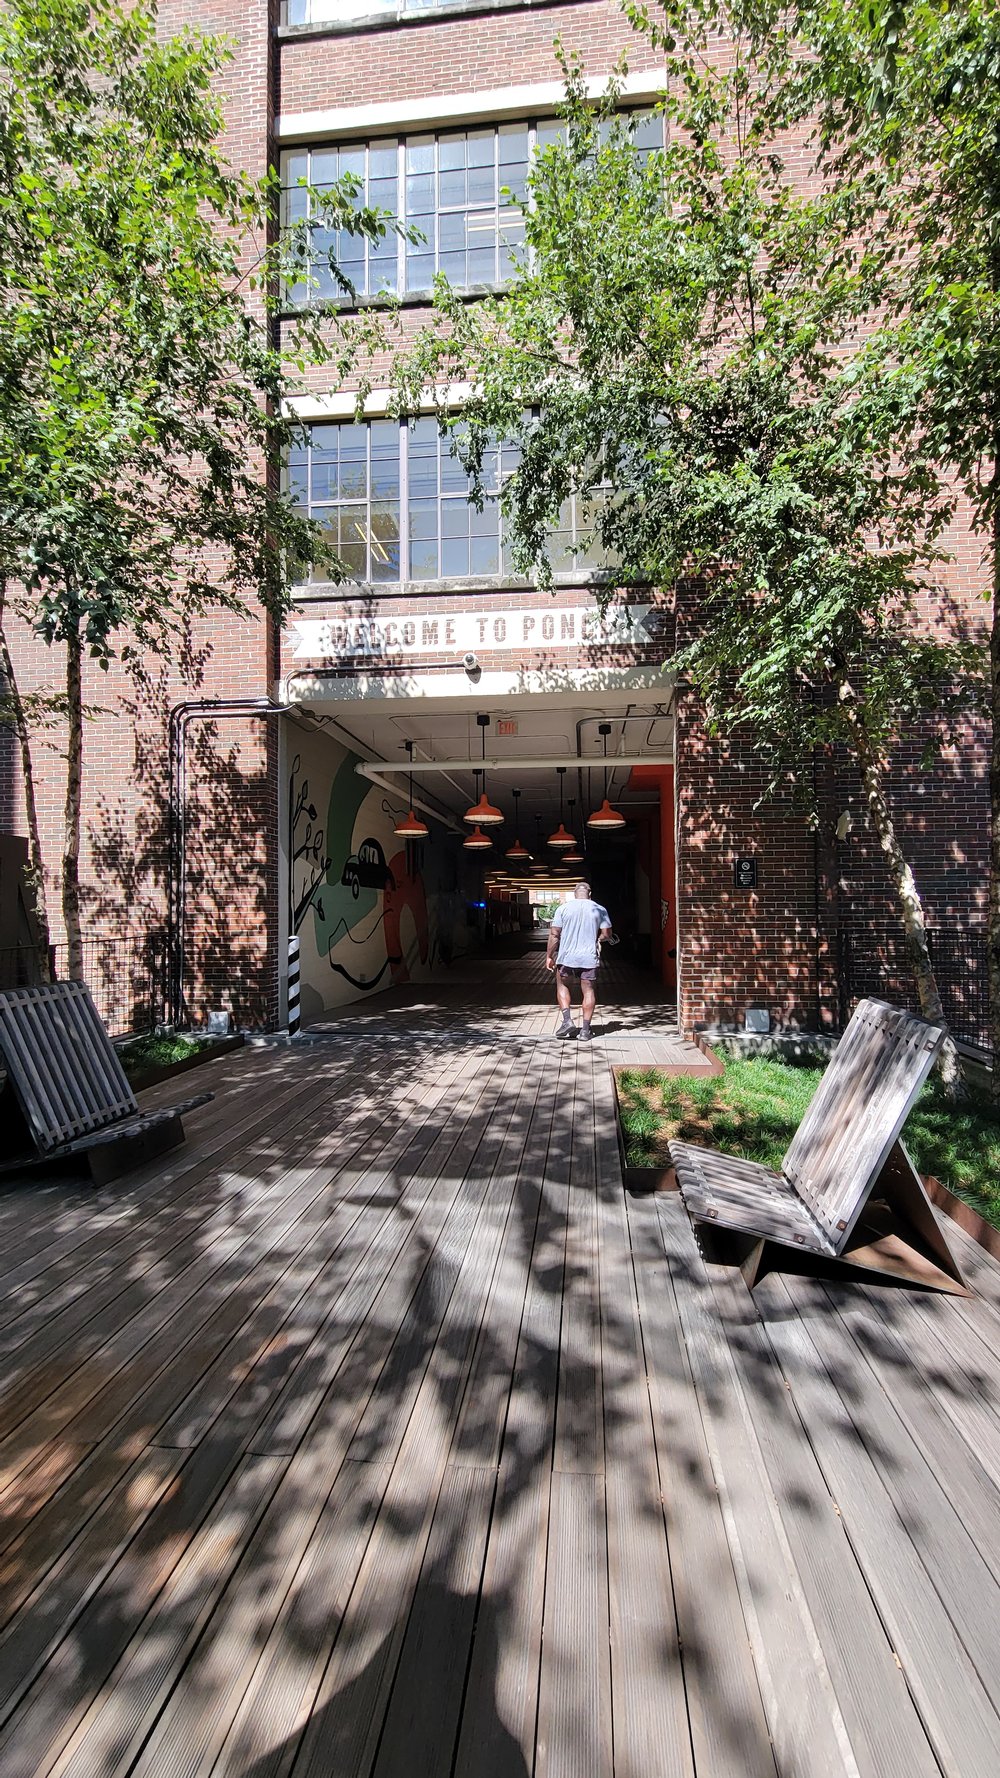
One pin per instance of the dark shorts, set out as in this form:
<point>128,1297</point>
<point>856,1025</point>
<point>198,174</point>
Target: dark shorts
<point>577,975</point>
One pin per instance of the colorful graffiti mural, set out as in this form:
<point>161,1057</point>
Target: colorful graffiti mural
<point>361,896</point>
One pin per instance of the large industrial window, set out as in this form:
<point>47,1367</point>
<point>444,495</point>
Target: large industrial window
<point>462,191</point>
<point>394,504</point>
<point>346,12</point>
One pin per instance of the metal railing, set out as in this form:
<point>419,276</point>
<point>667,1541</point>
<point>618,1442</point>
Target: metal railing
<point>129,977</point>
<point>126,975</point>
<point>873,961</point>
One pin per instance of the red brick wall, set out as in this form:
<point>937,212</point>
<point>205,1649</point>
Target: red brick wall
<point>475,51</point>
<point>774,946</point>
<point>232,772</point>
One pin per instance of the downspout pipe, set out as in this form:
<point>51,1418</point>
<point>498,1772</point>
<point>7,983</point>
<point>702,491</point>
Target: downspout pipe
<point>209,710</point>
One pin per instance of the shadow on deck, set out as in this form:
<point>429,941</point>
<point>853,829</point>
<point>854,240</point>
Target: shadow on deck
<point>381,1433</point>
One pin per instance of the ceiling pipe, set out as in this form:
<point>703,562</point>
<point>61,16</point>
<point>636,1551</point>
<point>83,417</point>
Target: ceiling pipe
<point>364,770</point>
<point>511,764</point>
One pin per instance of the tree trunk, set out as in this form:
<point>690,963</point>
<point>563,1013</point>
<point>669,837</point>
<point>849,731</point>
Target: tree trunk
<point>993,917</point>
<point>74,775</point>
<point>36,867</point>
<point>910,906</point>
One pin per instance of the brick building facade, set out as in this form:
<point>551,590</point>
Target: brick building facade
<point>224,807</point>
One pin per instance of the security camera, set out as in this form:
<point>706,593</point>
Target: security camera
<point>471,665</point>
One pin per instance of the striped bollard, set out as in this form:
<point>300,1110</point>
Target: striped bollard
<point>294,1012</point>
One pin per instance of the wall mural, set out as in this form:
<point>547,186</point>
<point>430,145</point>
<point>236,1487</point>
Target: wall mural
<point>370,910</point>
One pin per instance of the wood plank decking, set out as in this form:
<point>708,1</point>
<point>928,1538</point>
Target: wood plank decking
<point>508,993</point>
<point>379,1432</point>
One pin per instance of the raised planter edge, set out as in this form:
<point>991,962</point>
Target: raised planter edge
<point>166,1071</point>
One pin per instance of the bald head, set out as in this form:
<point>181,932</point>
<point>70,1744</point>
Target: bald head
<point>582,892</point>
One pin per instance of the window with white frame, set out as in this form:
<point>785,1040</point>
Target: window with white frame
<point>343,12</point>
<point>394,504</point>
<point>461,192</point>
<point>348,478</point>
<point>328,12</point>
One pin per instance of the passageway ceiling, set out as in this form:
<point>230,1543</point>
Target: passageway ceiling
<point>523,729</point>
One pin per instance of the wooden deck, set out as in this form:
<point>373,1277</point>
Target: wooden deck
<point>507,993</point>
<point>379,1433</point>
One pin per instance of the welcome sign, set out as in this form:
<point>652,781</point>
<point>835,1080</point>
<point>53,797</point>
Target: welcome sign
<point>345,637</point>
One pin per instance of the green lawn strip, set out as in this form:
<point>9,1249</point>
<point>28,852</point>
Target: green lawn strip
<point>754,1108</point>
<point>157,1050</point>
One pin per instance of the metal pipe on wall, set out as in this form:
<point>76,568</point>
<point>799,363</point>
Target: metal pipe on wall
<point>510,764</point>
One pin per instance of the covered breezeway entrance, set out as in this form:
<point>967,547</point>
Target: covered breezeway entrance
<point>374,911</point>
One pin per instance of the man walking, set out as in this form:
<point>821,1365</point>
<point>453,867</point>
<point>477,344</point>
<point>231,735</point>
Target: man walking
<point>576,933</point>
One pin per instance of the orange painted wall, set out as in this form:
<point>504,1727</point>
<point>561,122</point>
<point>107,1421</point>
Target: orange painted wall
<point>661,778</point>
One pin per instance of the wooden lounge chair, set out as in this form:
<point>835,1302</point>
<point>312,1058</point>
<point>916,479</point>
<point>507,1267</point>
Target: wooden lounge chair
<point>847,1189</point>
<point>67,1092</point>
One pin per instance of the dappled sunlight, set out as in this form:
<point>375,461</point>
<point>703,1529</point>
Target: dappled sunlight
<point>378,1431</point>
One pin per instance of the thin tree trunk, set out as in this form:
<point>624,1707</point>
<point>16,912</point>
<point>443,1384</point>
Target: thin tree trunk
<point>36,865</point>
<point>910,906</point>
<point>74,776</point>
<point>993,917</point>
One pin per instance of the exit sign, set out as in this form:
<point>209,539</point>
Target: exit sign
<point>507,725</point>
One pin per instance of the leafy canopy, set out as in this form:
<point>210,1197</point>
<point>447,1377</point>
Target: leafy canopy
<point>683,351</point>
<point>141,373</point>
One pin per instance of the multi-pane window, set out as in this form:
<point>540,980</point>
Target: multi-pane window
<point>326,12</point>
<point>461,192</point>
<point>370,266</point>
<point>448,537</point>
<point>348,478</point>
<point>394,504</point>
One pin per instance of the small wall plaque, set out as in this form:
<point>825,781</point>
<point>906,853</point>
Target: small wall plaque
<point>745,873</point>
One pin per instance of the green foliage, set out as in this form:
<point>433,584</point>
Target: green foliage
<point>906,99</point>
<point>141,381</point>
<point>683,350</point>
<point>754,1108</point>
<point>159,1050</point>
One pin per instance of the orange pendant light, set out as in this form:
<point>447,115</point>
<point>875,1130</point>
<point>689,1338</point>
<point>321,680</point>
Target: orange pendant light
<point>409,826</point>
<point>605,818</point>
<point>519,853</point>
<point>483,813</point>
<point>575,853</point>
<point>478,841</point>
<point>560,838</point>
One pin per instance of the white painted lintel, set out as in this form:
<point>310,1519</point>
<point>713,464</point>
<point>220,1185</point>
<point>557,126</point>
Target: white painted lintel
<point>431,111</point>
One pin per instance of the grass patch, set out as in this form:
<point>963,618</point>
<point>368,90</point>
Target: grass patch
<point>158,1050</point>
<point>754,1108</point>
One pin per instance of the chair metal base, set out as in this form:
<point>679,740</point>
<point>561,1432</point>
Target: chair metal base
<point>898,1239</point>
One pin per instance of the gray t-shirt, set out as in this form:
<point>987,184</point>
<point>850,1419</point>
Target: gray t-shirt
<point>578,924</point>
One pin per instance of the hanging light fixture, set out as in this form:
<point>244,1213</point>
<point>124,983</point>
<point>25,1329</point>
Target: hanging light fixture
<point>560,838</point>
<point>477,840</point>
<point>605,818</point>
<point>409,826</point>
<point>519,853</point>
<point>483,813</point>
<point>575,853</point>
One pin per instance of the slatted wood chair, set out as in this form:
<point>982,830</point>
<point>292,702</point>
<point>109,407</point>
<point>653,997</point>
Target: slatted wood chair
<point>847,1189</point>
<point>67,1092</point>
